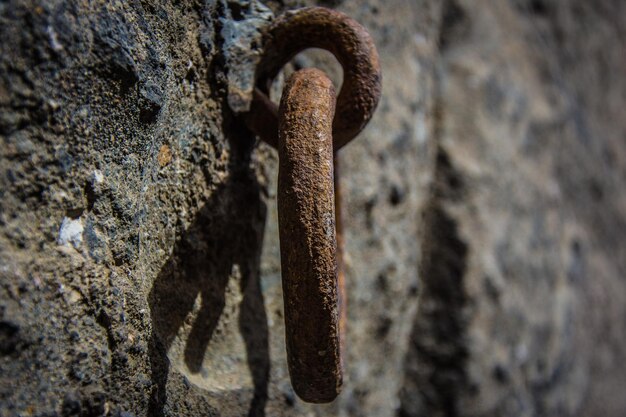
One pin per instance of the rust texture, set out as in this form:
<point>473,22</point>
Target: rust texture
<point>348,41</point>
<point>310,126</point>
<point>308,244</point>
<point>342,298</point>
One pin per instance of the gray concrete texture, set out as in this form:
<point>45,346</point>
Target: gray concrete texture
<point>484,209</point>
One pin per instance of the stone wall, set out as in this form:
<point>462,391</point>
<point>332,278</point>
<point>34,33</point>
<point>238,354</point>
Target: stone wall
<point>484,212</point>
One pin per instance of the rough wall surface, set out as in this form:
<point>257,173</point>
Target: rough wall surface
<point>522,311</point>
<point>139,264</point>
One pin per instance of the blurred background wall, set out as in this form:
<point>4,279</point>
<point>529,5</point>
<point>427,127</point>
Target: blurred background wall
<point>484,207</point>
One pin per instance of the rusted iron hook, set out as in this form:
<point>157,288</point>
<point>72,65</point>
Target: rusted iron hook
<point>310,125</point>
<point>348,41</point>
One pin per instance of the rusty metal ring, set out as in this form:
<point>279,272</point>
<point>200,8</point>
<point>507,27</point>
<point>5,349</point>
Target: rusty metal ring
<point>308,244</point>
<point>348,41</point>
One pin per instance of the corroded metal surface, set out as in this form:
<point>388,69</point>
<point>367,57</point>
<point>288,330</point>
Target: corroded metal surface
<point>348,41</point>
<point>307,131</point>
<point>306,213</point>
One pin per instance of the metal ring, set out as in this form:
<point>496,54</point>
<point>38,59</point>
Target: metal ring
<point>308,243</point>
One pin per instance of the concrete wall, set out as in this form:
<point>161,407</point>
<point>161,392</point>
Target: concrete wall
<point>484,210</point>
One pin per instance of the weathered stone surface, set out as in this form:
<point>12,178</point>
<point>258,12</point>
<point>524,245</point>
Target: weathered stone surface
<point>522,310</point>
<point>139,264</point>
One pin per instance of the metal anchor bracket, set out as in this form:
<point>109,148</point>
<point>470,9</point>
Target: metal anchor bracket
<point>308,127</point>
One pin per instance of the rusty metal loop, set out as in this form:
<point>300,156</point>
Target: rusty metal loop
<point>348,41</point>
<point>308,128</point>
<point>308,242</point>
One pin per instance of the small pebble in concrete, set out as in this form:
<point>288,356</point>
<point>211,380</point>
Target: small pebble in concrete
<point>71,232</point>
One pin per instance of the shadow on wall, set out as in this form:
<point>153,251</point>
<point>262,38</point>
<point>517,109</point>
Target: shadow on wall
<point>227,231</point>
